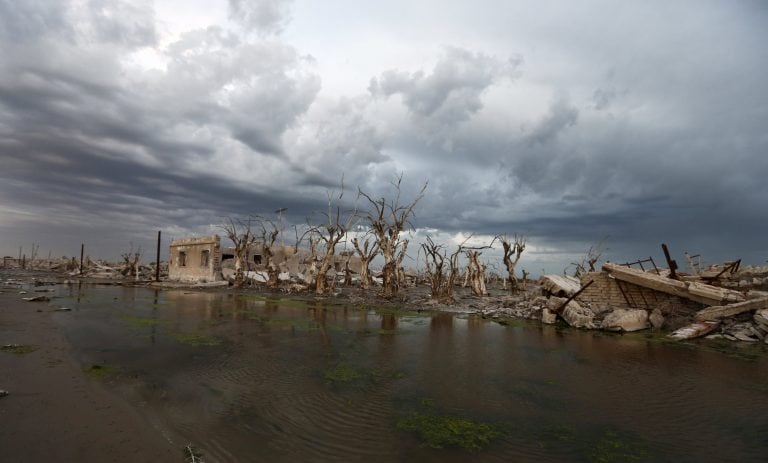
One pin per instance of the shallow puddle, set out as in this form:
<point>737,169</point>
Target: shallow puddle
<point>246,378</point>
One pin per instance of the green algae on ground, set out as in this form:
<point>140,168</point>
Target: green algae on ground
<point>306,325</point>
<point>196,339</point>
<point>142,322</point>
<point>18,349</point>
<point>440,431</point>
<point>343,373</point>
<point>556,435</point>
<point>615,447</point>
<point>100,371</point>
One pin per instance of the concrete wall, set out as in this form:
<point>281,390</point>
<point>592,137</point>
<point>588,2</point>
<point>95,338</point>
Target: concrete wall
<point>288,259</point>
<point>606,294</point>
<point>186,261</point>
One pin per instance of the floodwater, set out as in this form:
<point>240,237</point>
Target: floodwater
<point>244,378</point>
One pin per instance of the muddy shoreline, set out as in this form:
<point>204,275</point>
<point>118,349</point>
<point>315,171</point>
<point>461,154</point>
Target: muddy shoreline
<point>54,410</point>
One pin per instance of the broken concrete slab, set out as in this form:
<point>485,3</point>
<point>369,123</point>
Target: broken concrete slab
<point>625,320</point>
<point>705,294</point>
<point>723,311</point>
<point>577,316</point>
<point>715,293</point>
<point>560,285</point>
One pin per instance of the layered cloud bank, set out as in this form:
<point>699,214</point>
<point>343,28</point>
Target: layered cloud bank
<point>645,123</point>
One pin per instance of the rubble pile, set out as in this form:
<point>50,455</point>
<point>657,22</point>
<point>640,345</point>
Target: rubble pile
<point>721,302</point>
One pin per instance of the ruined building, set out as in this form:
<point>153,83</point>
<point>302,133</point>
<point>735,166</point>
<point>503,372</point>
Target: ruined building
<point>195,259</point>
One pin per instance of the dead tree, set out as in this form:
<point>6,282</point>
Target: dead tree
<point>311,261</point>
<point>434,258</point>
<point>239,232</point>
<point>387,219</point>
<point>512,248</point>
<point>443,281</point>
<point>131,262</point>
<point>268,237</point>
<point>347,270</point>
<point>588,260</point>
<point>330,234</point>
<point>367,253</point>
<point>476,272</point>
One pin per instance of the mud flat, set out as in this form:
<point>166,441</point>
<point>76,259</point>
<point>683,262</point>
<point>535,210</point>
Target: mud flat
<point>56,411</point>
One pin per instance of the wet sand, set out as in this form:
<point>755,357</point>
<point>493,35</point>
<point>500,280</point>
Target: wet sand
<point>57,412</point>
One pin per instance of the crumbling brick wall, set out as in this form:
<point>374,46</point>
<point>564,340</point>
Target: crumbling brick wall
<point>608,293</point>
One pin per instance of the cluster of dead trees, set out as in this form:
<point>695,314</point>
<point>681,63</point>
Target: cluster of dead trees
<point>379,228</point>
<point>442,269</point>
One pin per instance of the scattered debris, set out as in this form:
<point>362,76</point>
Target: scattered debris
<point>18,348</point>
<point>3,393</point>
<point>694,330</point>
<point>192,454</point>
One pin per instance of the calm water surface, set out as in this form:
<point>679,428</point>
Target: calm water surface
<point>245,378</point>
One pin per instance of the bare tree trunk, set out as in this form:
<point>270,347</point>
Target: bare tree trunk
<point>239,232</point>
<point>366,252</point>
<point>476,274</point>
<point>515,248</point>
<point>347,272</point>
<point>331,233</point>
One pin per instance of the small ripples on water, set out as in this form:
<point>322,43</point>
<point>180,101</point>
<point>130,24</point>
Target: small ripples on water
<point>265,393</point>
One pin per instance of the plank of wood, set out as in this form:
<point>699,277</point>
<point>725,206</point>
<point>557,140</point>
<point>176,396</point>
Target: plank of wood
<point>723,311</point>
<point>658,283</point>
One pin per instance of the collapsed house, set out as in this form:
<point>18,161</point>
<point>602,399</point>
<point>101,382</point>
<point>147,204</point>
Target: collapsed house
<point>623,298</point>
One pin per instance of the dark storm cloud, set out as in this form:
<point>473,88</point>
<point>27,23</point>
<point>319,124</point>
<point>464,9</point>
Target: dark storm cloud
<point>646,130</point>
<point>85,147</point>
<point>560,116</point>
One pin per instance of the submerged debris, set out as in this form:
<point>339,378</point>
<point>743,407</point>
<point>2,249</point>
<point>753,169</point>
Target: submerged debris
<point>192,454</point>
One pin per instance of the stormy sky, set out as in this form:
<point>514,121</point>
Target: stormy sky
<point>569,122</point>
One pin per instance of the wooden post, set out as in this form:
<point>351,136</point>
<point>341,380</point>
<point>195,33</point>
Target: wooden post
<point>157,266</point>
<point>24,262</point>
<point>671,263</point>
<point>82,252</point>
